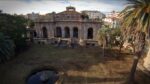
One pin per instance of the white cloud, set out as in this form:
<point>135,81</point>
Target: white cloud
<point>45,6</point>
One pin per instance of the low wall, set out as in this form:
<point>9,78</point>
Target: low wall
<point>67,40</point>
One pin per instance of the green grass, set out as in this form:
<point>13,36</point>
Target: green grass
<point>79,65</point>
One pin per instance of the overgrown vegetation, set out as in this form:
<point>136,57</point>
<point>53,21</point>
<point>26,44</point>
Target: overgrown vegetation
<point>109,36</point>
<point>14,28</point>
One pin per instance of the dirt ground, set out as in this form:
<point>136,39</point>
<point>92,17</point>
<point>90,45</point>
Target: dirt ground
<point>78,66</point>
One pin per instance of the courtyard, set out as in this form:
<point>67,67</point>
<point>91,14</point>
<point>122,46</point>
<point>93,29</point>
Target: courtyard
<point>76,66</point>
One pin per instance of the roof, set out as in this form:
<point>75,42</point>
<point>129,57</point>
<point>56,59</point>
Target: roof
<point>69,12</point>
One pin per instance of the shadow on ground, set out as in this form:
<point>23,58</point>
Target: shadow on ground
<point>80,65</point>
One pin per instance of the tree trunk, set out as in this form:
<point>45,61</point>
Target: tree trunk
<point>120,47</point>
<point>138,48</point>
<point>133,70</point>
<point>104,45</point>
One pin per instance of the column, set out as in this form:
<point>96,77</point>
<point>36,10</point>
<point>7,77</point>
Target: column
<point>71,32</point>
<point>63,32</point>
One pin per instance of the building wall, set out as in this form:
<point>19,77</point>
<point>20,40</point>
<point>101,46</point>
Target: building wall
<point>32,16</point>
<point>82,28</point>
<point>94,14</point>
<point>112,19</point>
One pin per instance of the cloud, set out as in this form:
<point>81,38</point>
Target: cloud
<point>46,6</point>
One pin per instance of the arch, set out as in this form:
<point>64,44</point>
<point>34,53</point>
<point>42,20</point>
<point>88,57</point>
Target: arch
<point>58,32</point>
<point>67,32</point>
<point>34,34</point>
<point>45,33</point>
<point>90,33</point>
<point>75,32</point>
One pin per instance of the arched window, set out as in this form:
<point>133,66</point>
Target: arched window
<point>75,32</point>
<point>58,32</point>
<point>90,33</point>
<point>34,34</point>
<point>45,34</point>
<point>67,32</point>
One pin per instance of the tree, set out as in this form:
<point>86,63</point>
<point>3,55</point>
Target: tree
<point>30,23</point>
<point>136,24</point>
<point>109,36</point>
<point>14,26</point>
<point>7,48</point>
<point>115,36</point>
<point>84,16</point>
<point>0,11</point>
<point>102,38</point>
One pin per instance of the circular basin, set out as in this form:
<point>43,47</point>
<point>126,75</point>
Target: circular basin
<point>43,77</point>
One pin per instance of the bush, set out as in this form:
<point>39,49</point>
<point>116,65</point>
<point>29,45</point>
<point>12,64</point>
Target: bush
<point>7,48</point>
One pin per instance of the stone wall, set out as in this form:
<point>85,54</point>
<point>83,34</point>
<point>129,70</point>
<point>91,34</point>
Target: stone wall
<point>82,28</point>
<point>147,59</point>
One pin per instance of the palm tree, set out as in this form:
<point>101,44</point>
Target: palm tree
<point>136,24</point>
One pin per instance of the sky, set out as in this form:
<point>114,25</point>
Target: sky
<point>48,6</point>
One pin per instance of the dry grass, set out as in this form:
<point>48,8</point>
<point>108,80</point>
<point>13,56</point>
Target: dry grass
<point>80,65</point>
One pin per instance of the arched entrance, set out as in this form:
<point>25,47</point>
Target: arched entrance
<point>75,32</point>
<point>58,32</point>
<point>34,34</point>
<point>67,32</point>
<point>90,33</point>
<point>45,34</point>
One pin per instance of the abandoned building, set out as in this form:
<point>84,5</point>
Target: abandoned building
<point>69,26</point>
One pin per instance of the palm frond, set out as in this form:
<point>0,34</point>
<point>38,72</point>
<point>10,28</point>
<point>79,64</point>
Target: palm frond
<point>136,16</point>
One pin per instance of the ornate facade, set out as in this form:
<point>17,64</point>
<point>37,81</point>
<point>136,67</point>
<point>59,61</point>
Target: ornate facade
<point>67,25</point>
